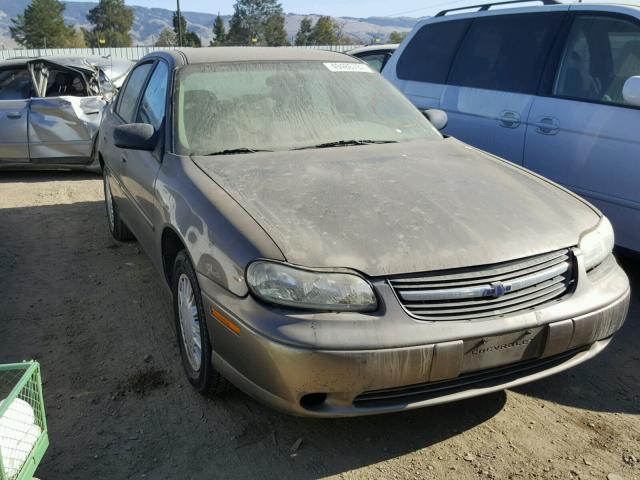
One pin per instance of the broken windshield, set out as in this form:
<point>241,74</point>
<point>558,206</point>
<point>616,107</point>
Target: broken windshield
<point>289,105</point>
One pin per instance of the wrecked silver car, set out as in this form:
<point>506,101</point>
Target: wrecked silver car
<point>330,253</point>
<point>51,108</point>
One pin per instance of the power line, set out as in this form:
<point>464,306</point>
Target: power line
<point>430,7</point>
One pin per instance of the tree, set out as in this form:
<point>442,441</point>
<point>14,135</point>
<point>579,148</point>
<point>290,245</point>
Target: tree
<point>76,40</point>
<point>167,38</point>
<point>303,37</point>
<point>397,37</point>
<point>274,33</point>
<point>112,22</point>
<point>219,32</point>
<point>251,19</point>
<point>42,25</point>
<point>325,32</point>
<point>183,25</point>
<point>189,39</point>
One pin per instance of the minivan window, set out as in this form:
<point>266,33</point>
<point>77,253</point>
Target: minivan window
<point>505,52</point>
<point>428,56</point>
<point>152,105</point>
<point>15,84</point>
<point>284,106</point>
<point>129,96</point>
<point>601,53</point>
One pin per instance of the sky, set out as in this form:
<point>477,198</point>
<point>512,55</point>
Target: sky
<point>338,8</point>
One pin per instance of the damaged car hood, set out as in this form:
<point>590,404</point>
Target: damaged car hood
<point>400,208</point>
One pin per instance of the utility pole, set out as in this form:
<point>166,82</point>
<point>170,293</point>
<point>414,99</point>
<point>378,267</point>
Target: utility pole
<point>179,23</point>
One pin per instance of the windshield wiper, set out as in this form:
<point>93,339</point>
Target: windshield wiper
<point>346,143</point>
<point>233,151</point>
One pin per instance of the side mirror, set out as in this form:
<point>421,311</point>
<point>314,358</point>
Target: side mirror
<point>135,136</point>
<point>438,118</point>
<point>631,91</point>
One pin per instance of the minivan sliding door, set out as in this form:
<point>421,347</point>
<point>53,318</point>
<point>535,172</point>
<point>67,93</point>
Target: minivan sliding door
<point>494,78</point>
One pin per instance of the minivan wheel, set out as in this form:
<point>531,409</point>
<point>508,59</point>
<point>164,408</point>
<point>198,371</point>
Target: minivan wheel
<point>191,328</point>
<point>117,227</point>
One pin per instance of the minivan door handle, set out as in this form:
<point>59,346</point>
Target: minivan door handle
<point>547,125</point>
<point>509,119</point>
<point>14,115</point>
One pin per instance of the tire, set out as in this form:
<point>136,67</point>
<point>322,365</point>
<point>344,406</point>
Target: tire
<point>191,326</point>
<point>117,227</point>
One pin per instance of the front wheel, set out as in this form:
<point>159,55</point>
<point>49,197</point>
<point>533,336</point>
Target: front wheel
<point>117,227</point>
<point>191,328</point>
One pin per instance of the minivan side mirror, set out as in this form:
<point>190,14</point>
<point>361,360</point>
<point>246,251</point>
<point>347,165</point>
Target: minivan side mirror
<point>135,136</point>
<point>437,117</point>
<point>631,91</point>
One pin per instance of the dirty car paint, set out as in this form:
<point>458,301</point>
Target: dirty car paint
<point>398,208</point>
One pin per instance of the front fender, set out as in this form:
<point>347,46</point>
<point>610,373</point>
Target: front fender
<point>220,237</point>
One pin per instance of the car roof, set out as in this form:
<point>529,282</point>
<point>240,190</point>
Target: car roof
<point>251,54</point>
<point>373,48</point>
<point>11,62</point>
<point>516,7</point>
<point>81,61</point>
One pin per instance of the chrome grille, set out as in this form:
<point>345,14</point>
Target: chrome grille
<point>488,291</point>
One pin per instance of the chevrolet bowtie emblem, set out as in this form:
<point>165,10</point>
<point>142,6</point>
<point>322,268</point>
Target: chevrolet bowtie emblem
<point>497,289</point>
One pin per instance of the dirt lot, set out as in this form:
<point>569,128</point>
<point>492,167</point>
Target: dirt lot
<point>97,317</point>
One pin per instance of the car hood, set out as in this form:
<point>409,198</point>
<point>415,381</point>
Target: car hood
<point>400,208</point>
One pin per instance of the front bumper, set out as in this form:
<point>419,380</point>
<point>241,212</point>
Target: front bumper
<point>324,381</point>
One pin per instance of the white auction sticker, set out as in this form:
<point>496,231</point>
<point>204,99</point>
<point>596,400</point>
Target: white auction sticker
<point>348,67</point>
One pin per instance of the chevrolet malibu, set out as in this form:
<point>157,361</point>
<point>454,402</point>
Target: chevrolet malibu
<point>330,253</point>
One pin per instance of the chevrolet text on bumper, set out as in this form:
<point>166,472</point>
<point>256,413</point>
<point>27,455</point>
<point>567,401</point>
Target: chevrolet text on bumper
<point>331,254</point>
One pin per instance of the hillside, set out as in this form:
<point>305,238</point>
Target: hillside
<point>149,22</point>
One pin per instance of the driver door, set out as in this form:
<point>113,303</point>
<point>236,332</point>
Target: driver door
<point>140,168</point>
<point>15,94</point>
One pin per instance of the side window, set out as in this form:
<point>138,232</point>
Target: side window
<point>601,53</point>
<point>15,84</point>
<point>429,54</point>
<point>152,105</point>
<point>375,60</point>
<point>129,96</point>
<point>505,52</point>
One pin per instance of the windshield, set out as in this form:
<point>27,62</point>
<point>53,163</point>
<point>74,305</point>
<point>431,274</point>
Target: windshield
<point>246,107</point>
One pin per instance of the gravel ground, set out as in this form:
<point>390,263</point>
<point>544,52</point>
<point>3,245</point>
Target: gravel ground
<point>98,318</point>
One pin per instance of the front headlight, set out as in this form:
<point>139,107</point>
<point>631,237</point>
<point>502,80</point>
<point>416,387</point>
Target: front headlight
<point>295,287</point>
<point>597,244</point>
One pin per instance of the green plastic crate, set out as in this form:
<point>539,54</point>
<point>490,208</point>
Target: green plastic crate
<point>23,425</point>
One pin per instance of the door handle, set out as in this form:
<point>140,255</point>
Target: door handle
<point>509,119</point>
<point>14,115</point>
<point>547,125</point>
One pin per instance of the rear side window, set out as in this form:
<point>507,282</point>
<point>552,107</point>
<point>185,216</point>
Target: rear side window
<point>129,96</point>
<point>15,84</point>
<point>506,52</point>
<point>601,53</point>
<point>429,54</point>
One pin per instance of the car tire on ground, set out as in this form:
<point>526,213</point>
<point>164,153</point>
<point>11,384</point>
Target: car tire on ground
<point>117,227</point>
<point>191,328</point>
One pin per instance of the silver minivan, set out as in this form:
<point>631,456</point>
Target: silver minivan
<point>554,88</point>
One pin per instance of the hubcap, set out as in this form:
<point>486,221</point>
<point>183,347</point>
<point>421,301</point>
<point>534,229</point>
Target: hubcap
<point>108,198</point>
<point>189,322</point>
